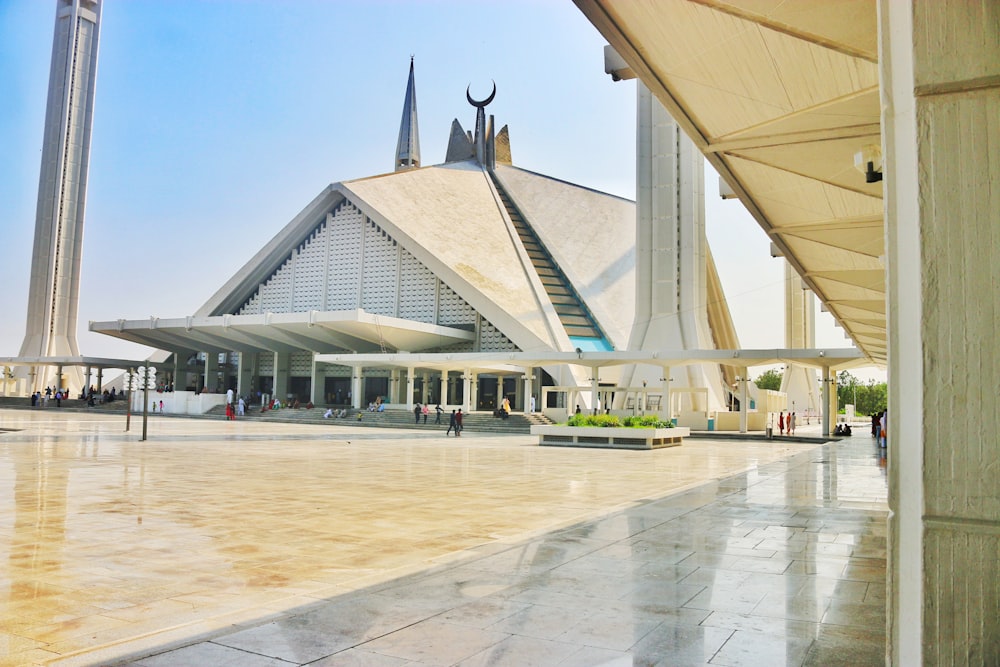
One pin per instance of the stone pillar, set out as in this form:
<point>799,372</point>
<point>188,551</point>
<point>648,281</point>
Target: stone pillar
<point>59,377</point>
<point>394,386</point>
<point>466,389</point>
<point>86,381</point>
<point>443,388</point>
<point>940,71</point>
<point>244,375</point>
<point>827,380</point>
<point>180,374</point>
<point>317,390</point>
<point>356,387</point>
<point>425,388</point>
<point>665,411</point>
<point>594,388</point>
<point>744,399</point>
<point>526,389</point>
<point>100,380</point>
<point>473,391</point>
<point>282,363</point>
<point>409,388</point>
<point>209,381</point>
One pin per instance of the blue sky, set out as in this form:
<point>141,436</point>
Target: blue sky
<point>218,120</point>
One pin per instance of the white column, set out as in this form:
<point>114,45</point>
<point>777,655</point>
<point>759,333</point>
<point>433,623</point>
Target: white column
<point>282,364</point>
<point>244,374</point>
<point>665,412</point>
<point>209,381</point>
<point>594,388</point>
<point>744,402</point>
<point>940,95</point>
<point>443,388</point>
<point>526,388</point>
<point>466,389</point>
<point>827,421</point>
<point>409,388</point>
<point>180,374</point>
<point>315,392</point>
<point>356,387</point>
<point>425,387</point>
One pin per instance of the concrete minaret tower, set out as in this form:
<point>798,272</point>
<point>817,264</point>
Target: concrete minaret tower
<point>62,187</point>
<point>672,310</point>
<point>799,382</point>
<point>408,146</point>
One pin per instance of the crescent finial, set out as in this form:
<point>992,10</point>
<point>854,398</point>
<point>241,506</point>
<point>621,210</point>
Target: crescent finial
<point>483,103</point>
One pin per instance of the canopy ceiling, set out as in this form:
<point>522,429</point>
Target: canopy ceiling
<point>317,331</point>
<point>779,95</point>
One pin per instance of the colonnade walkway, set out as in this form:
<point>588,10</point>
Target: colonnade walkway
<point>253,544</point>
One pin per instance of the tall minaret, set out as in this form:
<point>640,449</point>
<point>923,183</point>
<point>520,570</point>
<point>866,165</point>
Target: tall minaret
<point>408,146</point>
<point>672,279</point>
<point>62,187</point>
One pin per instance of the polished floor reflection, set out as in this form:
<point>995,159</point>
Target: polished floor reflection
<point>220,543</point>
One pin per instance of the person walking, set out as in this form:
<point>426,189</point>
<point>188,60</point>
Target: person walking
<point>791,424</point>
<point>781,423</point>
<point>416,413</point>
<point>458,424</point>
<point>426,410</point>
<point>452,424</point>
<point>438,410</point>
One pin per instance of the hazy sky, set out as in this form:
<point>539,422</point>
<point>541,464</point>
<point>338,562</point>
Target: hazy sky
<point>217,121</point>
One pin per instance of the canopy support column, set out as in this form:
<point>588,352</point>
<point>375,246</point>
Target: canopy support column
<point>744,403</point>
<point>356,387</point>
<point>409,388</point>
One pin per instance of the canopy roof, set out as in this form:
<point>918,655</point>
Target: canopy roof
<point>513,362</point>
<point>331,331</point>
<point>780,97</point>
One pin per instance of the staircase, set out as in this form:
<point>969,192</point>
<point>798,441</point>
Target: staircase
<point>479,422</point>
<point>573,313</point>
<point>67,404</point>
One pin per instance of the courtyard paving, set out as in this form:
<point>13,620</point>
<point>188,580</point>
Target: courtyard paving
<point>247,543</point>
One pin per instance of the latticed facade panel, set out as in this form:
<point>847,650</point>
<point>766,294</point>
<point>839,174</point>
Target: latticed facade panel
<point>418,289</point>
<point>380,266</point>
<point>492,339</point>
<point>346,226</point>
<point>350,262</point>
<point>300,363</point>
<point>310,263</point>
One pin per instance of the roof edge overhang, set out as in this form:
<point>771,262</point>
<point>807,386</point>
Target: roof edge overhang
<point>243,283</point>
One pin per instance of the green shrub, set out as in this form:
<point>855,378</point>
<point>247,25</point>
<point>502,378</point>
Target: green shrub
<point>607,421</point>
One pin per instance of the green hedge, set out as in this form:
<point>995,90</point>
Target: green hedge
<point>612,421</point>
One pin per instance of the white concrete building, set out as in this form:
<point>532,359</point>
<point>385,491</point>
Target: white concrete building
<point>471,256</point>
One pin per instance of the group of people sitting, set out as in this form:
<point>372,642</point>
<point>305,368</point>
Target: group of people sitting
<point>336,414</point>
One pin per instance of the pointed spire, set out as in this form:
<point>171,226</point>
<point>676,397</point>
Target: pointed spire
<point>408,146</point>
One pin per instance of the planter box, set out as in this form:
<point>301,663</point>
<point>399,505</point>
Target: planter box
<point>609,438</point>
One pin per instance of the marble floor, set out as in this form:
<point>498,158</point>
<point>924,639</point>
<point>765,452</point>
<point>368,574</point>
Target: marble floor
<point>221,543</point>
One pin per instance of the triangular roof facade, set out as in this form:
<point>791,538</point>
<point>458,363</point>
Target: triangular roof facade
<point>451,219</point>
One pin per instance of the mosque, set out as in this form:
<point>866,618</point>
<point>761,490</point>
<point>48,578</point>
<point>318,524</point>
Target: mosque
<point>462,284</point>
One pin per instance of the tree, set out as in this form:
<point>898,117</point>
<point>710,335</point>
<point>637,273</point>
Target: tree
<point>769,379</point>
<point>867,399</point>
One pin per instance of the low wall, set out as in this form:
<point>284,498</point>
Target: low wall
<point>178,402</point>
<point>612,438</point>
